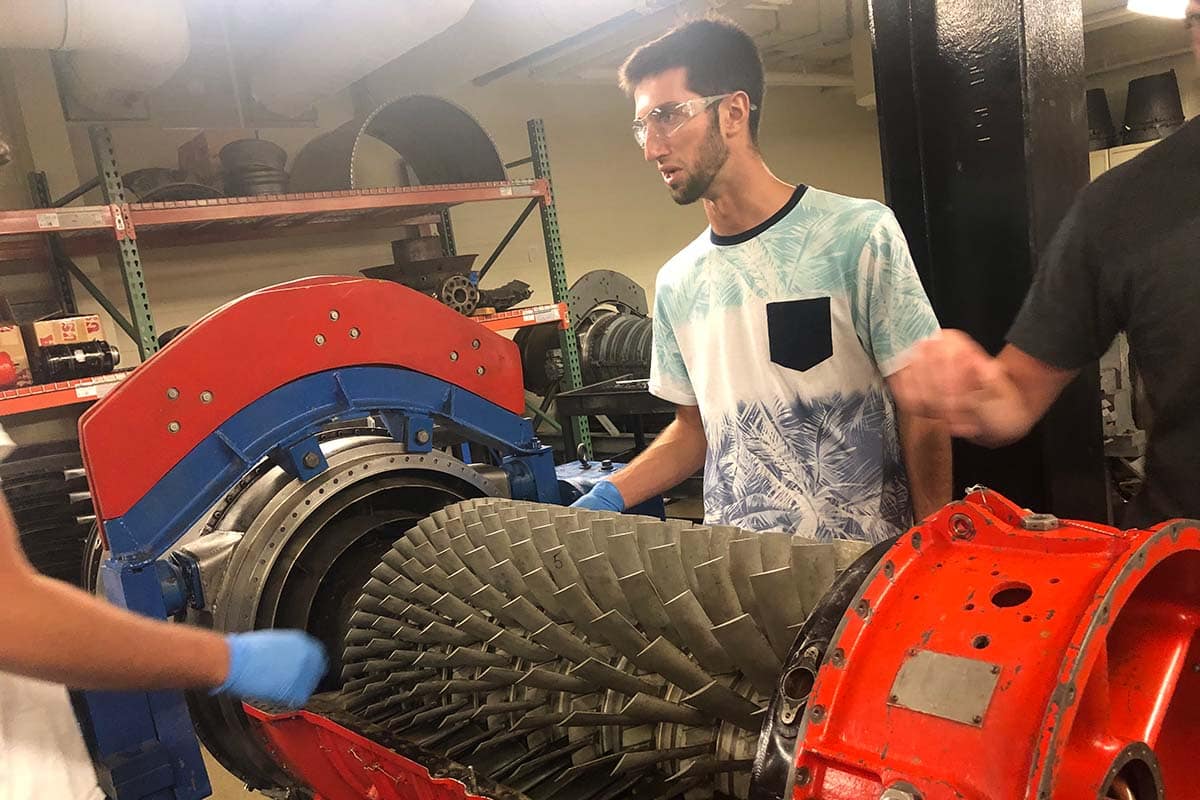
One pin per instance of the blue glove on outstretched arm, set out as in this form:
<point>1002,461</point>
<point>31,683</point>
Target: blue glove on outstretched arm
<point>603,497</point>
<point>280,667</point>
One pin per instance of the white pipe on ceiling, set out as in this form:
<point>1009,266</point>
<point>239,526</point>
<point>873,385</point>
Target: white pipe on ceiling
<point>343,42</point>
<point>115,49</point>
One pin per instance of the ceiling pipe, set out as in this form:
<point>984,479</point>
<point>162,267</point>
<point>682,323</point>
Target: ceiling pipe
<point>113,53</point>
<point>340,43</point>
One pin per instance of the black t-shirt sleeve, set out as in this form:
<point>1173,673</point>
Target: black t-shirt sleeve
<point>1066,320</point>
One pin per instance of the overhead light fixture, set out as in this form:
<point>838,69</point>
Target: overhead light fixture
<point>1169,9</point>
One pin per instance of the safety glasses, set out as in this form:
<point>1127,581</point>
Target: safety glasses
<point>668,118</point>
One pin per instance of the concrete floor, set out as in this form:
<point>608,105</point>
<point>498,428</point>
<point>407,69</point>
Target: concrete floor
<point>226,786</point>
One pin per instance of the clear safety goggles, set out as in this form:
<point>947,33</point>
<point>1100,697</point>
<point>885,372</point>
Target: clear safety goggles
<point>668,118</point>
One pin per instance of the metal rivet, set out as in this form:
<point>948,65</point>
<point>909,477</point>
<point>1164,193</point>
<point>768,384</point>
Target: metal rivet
<point>454,355</point>
<point>172,393</point>
<point>422,436</point>
<point>480,370</point>
<point>333,315</point>
<point>803,776</point>
<point>311,460</point>
<point>889,570</point>
<point>995,670</point>
<point>475,343</point>
<point>893,698</point>
<point>206,396</point>
<point>319,339</point>
<point>977,719</point>
<point>173,426</point>
<point>817,714</point>
<point>863,609</point>
<point>838,659</point>
<point>354,333</point>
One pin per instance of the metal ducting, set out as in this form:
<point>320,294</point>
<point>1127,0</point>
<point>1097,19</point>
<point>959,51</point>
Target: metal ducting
<point>609,313</point>
<point>576,654</point>
<point>110,54</point>
<point>437,142</point>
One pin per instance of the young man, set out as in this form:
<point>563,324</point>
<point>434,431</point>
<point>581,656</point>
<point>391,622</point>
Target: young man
<point>53,634</point>
<point>1124,258</point>
<point>777,331</point>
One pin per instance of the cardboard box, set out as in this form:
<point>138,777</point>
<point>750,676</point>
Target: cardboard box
<point>68,330</point>
<point>12,348</point>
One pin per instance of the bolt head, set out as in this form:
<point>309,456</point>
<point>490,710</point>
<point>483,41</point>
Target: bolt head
<point>422,436</point>
<point>334,315</point>
<point>817,715</point>
<point>475,344</point>
<point>311,460</point>
<point>354,333</point>
<point>172,393</point>
<point>899,793</point>
<point>480,370</point>
<point>803,776</point>
<point>454,355</point>
<point>319,339</point>
<point>173,426</point>
<point>206,396</point>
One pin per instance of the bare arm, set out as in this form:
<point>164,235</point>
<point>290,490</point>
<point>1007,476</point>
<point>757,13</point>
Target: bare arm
<point>990,401</point>
<point>674,456</point>
<point>55,632</point>
<point>925,443</point>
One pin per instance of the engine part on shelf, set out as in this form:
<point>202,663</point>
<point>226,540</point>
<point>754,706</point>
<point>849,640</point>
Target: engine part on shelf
<point>1154,109</point>
<point>612,303</point>
<point>457,292</point>
<point>1102,133</point>
<point>64,362</point>
<point>592,652</point>
<point>254,167</point>
<point>417,248</point>
<point>505,297</point>
<point>436,141</point>
<point>46,487</point>
<point>160,185</point>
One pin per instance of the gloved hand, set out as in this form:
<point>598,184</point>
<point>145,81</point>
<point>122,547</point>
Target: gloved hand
<point>277,666</point>
<point>603,497</point>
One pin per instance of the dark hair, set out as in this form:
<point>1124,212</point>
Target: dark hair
<point>718,55</point>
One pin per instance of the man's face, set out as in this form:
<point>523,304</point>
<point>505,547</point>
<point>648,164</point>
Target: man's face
<point>1193,20</point>
<point>689,158</point>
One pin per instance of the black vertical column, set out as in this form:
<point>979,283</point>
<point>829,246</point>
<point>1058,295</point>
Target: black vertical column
<point>984,142</point>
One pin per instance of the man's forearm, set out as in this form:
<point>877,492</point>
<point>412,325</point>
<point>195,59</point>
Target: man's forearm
<point>926,447</point>
<point>675,455</point>
<point>55,632</point>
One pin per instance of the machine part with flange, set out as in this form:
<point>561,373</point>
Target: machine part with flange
<point>243,438</point>
<point>1073,644</point>
<point>571,653</point>
<point>436,141</point>
<point>609,312</point>
<point>459,293</point>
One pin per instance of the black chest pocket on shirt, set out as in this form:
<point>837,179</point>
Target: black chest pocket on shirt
<point>800,332</point>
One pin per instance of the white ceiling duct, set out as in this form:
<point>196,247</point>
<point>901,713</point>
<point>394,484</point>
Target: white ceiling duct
<point>114,50</point>
<point>501,37</point>
<point>341,42</point>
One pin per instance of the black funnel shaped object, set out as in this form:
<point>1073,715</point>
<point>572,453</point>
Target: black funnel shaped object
<point>1154,109</point>
<point>1102,133</point>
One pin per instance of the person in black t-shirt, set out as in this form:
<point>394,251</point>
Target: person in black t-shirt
<point>1126,258</point>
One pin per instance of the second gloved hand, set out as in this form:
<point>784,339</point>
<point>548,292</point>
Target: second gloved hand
<point>604,496</point>
<point>280,667</point>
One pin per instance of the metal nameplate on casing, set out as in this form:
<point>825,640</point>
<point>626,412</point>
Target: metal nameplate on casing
<point>951,687</point>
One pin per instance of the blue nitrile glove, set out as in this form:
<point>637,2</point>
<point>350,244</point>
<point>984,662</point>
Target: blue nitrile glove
<point>280,667</point>
<point>603,497</point>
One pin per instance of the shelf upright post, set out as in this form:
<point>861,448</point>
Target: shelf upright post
<point>129,259</point>
<point>39,187</point>
<point>446,231</point>
<point>577,432</point>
